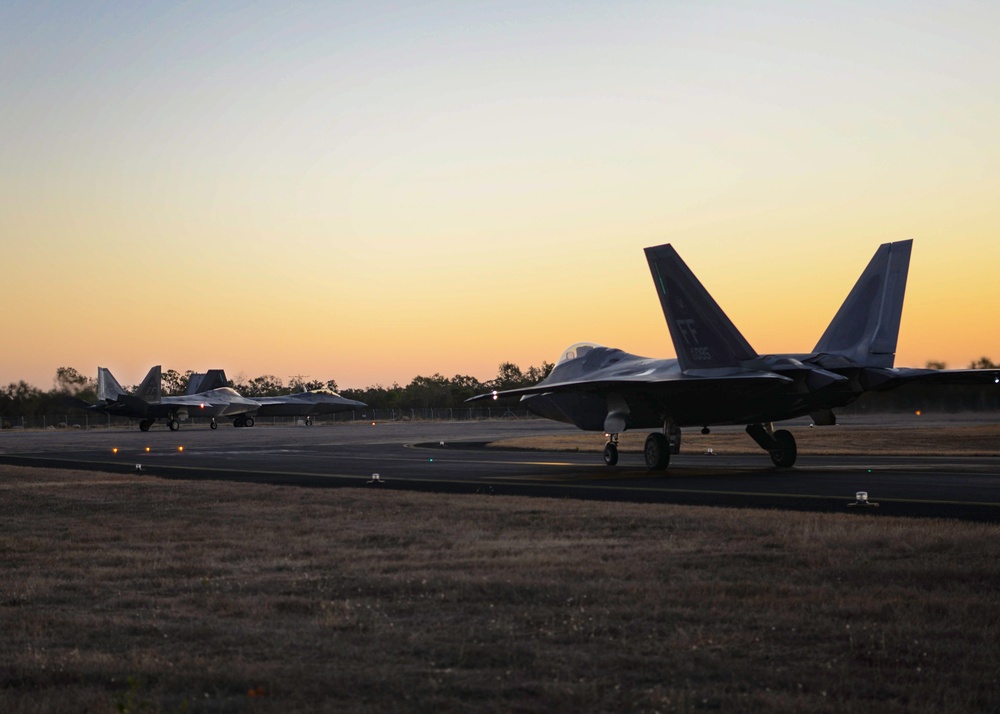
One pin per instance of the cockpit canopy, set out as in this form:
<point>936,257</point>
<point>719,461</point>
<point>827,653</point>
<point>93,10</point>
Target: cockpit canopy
<point>577,350</point>
<point>327,392</point>
<point>228,391</point>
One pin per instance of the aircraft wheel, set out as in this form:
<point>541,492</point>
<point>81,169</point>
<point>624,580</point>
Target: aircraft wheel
<point>145,424</point>
<point>248,422</point>
<point>610,454</point>
<point>784,456</point>
<point>657,452</point>
<point>239,421</point>
<point>173,424</point>
<point>214,425</point>
<point>309,421</point>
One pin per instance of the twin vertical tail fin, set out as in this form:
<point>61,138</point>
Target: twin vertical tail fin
<point>212,379</point>
<point>866,327</point>
<point>108,388</point>
<point>149,390</point>
<point>704,337</point>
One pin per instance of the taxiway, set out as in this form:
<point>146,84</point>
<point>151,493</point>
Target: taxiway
<point>452,457</point>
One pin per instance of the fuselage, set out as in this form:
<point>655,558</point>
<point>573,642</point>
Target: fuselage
<point>656,391</point>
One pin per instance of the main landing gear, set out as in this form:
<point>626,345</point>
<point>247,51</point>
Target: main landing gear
<point>656,451</point>
<point>779,444</point>
<point>243,420</point>
<point>659,446</point>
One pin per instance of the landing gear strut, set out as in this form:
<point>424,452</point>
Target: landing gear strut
<point>213,425</point>
<point>779,444</point>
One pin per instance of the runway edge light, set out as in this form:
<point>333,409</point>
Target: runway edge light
<point>861,499</point>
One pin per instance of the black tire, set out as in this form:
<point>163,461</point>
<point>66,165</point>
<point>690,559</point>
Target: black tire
<point>145,424</point>
<point>309,421</point>
<point>214,425</point>
<point>786,453</point>
<point>239,421</point>
<point>173,424</point>
<point>610,454</point>
<point>657,452</point>
<point>248,422</point>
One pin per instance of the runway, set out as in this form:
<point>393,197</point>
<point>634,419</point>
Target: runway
<point>452,457</point>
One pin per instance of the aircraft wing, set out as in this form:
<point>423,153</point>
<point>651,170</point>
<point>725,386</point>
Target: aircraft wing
<point>655,385</point>
<point>955,377</point>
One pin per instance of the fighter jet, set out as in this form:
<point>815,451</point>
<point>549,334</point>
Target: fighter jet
<point>718,378</point>
<point>307,403</point>
<point>148,405</point>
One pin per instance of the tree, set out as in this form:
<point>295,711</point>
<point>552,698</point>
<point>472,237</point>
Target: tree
<point>935,364</point>
<point>21,399</point>
<point>266,385</point>
<point>509,376</point>
<point>428,392</point>
<point>69,381</point>
<point>174,383</point>
<point>983,363</point>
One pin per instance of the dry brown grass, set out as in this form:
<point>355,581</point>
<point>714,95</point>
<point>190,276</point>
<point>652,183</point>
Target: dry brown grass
<point>125,593</point>
<point>978,440</point>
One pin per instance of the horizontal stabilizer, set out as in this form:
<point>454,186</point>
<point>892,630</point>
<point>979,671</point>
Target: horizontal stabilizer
<point>704,337</point>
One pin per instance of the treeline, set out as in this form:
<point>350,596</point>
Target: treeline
<point>436,391</point>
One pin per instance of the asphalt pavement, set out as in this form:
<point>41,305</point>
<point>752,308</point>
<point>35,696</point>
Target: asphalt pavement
<point>453,457</point>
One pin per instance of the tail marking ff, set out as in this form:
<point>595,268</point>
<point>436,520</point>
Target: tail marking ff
<point>703,335</point>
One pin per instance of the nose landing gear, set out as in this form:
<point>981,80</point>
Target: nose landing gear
<point>611,450</point>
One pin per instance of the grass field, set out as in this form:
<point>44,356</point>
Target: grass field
<point>124,593</point>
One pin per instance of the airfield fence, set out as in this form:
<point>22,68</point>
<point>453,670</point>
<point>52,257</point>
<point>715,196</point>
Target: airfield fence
<point>70,420</point>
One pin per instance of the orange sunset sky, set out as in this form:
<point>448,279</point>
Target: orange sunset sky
<point>370,191</point>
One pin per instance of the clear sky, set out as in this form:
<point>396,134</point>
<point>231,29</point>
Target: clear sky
<point>370,191</point>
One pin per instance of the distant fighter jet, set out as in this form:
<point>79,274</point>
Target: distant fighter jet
<point>148,405</point>
<point>308,404</point>
<point>718,378</point>
<point>305,404</point>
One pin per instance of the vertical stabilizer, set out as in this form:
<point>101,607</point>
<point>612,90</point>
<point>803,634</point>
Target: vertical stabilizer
<point>149,390</point>
<point>866,327</point>
<point>704,337</point>
<point>108,388</point>
<point>212,379</point>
